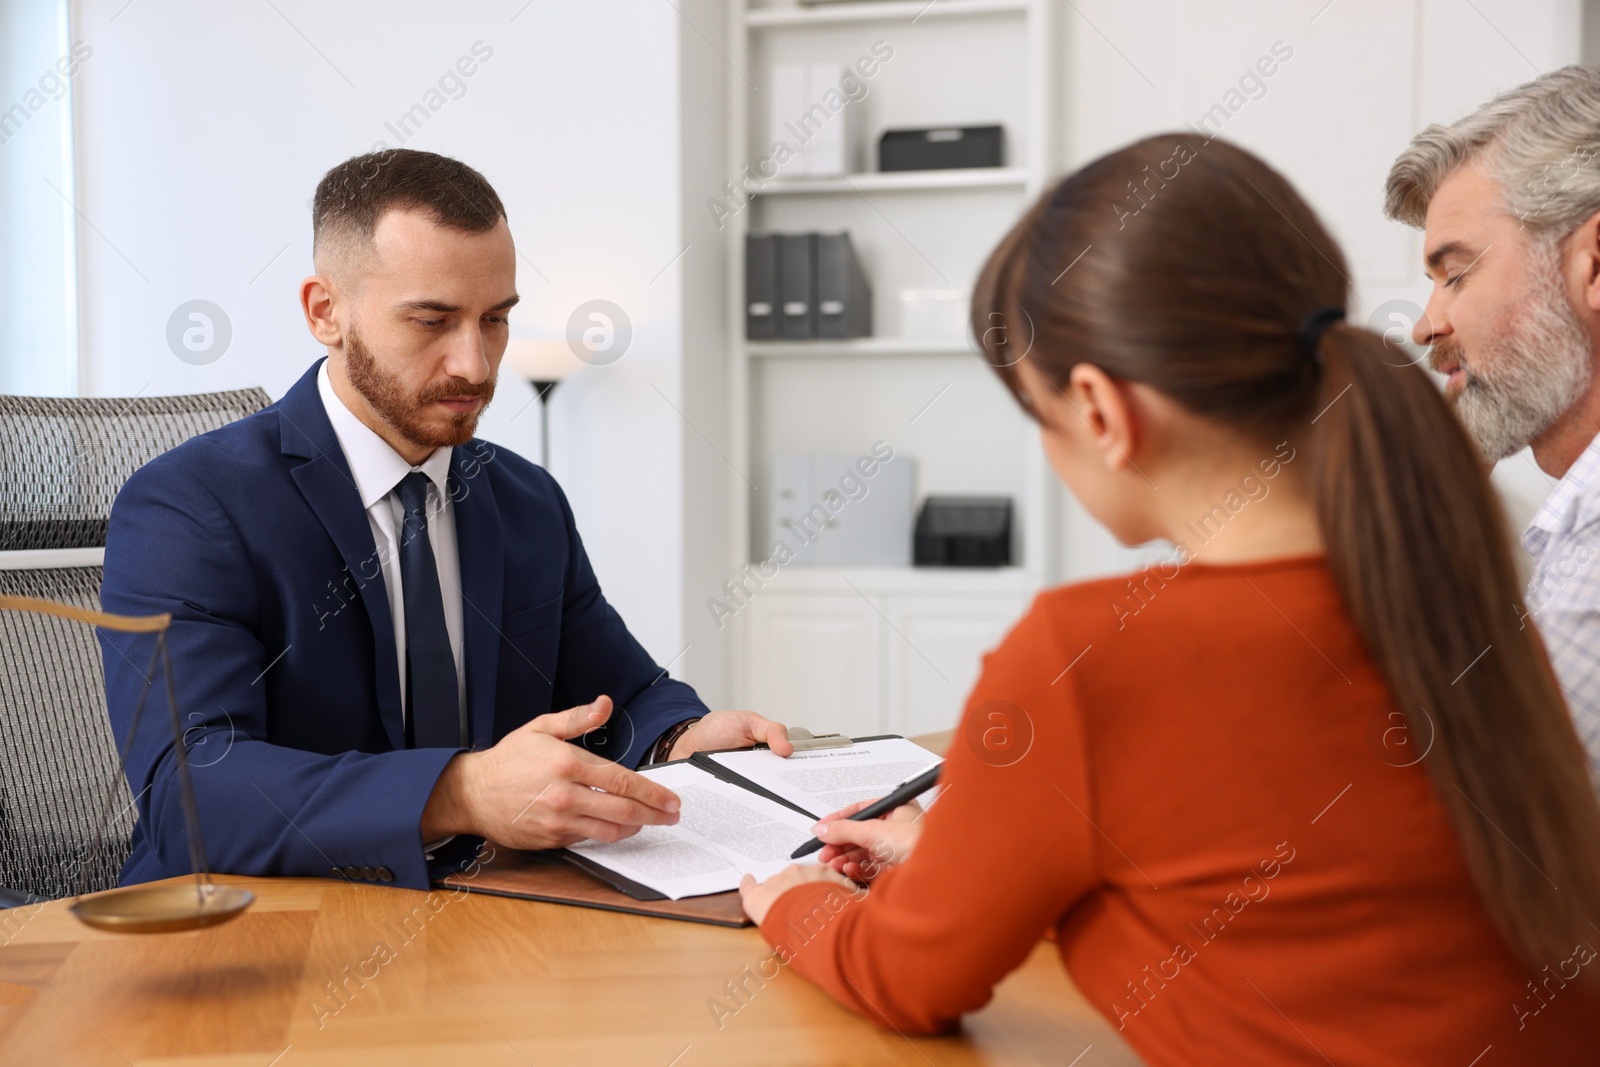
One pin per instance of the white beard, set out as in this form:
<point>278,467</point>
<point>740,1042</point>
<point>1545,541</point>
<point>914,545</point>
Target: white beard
<point>1541,365</point>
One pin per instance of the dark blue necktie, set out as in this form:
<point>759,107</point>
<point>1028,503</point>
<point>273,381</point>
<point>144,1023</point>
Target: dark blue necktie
<point>433,706</point>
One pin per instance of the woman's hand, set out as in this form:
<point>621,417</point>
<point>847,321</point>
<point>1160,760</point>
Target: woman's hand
<point>759,896</point>
<point>854,852</point>
<point>863,850</point>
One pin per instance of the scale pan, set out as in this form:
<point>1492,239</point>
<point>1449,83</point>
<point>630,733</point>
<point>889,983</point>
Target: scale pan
<point>160,909</point>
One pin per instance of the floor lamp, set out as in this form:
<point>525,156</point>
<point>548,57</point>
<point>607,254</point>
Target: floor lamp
<point>545,362</point>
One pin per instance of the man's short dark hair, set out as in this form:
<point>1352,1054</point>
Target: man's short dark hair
<point>352,197</point>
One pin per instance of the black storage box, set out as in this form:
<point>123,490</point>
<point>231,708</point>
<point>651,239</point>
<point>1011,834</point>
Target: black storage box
<point>941,148</point>
<point>963,531</point>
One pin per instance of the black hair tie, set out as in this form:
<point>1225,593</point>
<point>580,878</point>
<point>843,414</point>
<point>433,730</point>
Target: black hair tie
<point>1314,325</point>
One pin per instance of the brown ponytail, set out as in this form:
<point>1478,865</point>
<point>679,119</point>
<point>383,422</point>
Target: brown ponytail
<point>1418,544</point>
<point>1193,266</point>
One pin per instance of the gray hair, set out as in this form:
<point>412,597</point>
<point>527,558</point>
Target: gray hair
<point>1538,142</point>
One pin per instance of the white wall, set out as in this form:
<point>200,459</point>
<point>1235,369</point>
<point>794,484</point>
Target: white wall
<point>203,129</point>
<point>38,330</point>
<point>1365,75</point>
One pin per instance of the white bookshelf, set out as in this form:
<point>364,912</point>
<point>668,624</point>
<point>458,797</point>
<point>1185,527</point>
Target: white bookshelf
<point>887,648</point>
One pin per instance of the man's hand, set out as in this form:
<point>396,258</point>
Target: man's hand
<point>534,790</point>
<point>758,897</point>
<point>732,729</point>
<point>864,850</point>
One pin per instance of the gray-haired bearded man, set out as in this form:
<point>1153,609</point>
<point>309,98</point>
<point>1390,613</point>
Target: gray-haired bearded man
<point>1509,202</point>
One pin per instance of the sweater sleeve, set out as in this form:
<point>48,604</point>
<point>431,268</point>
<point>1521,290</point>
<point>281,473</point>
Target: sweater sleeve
<point>1005,852</point>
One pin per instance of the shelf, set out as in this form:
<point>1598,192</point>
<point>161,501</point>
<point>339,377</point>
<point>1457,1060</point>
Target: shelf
<point>899,181</point>
<point>798,577</point>
<point>879,11</point>
<point>860,347</point>
<point>828,396</point>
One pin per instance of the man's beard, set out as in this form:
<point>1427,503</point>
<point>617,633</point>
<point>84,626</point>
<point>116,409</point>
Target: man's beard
<point>1530,375</point>
<point>387,396</point>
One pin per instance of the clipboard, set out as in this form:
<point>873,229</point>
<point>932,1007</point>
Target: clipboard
<point>553,877</point>
<point>559,876</point>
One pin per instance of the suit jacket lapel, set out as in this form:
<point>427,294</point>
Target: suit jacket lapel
<point>478,542</point>
<point>327,485</point>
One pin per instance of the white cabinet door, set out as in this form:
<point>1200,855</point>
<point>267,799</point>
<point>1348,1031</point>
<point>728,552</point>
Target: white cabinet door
<point>814,661</point>
<point>934,652</point>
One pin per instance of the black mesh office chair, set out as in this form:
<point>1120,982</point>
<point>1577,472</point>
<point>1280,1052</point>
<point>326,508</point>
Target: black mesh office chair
<point>62,462</point>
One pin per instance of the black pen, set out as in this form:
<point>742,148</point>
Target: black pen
<point>902,794</point>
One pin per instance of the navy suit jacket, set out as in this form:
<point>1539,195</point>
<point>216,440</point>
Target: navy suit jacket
<point>282,646</point>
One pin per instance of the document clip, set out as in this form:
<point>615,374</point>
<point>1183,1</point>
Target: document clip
<point>804,741</point>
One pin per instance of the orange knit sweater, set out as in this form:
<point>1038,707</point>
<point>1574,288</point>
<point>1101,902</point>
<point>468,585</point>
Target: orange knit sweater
<point>1200,783</point>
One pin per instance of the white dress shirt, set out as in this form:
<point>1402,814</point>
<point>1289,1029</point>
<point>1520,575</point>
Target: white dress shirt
<point>1564,593</point>
<point>378,470</point>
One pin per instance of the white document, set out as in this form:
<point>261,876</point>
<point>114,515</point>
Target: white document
<point>723,833</point>
<point>826,779</point>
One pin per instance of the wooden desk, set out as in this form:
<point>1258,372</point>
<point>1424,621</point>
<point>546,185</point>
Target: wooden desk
<point>475,980</point>
<point>299,980</point>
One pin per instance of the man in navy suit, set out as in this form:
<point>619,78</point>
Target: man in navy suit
<point>375,615</point>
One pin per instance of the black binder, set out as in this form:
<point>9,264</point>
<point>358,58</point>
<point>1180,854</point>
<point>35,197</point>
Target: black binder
<point>796,275</point>
<point>843,297</point>
<point>761,286</point>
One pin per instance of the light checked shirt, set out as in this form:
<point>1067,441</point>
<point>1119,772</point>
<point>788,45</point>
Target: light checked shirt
<point>1564,592</point>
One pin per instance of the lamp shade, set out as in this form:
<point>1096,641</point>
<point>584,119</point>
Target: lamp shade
<point>542,359</point>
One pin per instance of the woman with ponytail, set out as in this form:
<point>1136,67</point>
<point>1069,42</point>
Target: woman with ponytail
<point>1306,792</point>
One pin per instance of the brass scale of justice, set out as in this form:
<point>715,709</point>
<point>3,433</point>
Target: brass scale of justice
<point>161,908</point>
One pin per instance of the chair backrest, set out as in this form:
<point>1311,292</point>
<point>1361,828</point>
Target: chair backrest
<point>62,462</point>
